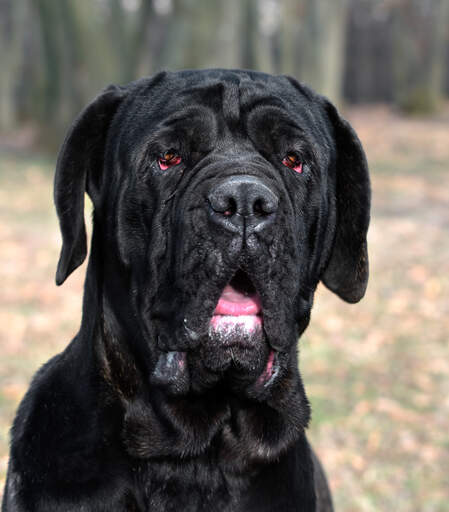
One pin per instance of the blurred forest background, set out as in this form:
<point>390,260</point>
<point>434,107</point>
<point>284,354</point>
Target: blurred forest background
<point>56,55</point>
<point>377,373</point>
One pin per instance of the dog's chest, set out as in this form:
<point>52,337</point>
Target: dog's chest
<point>191,486</point>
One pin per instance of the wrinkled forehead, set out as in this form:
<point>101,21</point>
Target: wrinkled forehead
<point>211,104</point>
<point>230,100</point>
<point>227,94</point>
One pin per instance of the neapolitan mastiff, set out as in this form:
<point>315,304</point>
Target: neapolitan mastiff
<point>221,199</point>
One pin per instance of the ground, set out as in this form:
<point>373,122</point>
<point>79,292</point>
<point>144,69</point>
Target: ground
<point>377,373</point>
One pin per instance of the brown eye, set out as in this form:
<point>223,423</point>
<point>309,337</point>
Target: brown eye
<point>292,161</point>
<point>169,159</point>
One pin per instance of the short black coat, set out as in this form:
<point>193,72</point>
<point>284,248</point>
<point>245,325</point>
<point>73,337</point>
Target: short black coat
<point>139,412</point>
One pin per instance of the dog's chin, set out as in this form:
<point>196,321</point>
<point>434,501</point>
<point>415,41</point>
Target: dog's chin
<point>238,351</point>
<point>232,345</point>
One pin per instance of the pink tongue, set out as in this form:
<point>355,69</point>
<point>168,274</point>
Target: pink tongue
<point>235,303</point>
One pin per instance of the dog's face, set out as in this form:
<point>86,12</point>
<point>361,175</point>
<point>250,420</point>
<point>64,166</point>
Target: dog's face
<point>221,200</point>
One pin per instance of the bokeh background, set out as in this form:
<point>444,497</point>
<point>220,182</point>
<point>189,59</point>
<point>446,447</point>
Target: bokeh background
<point>377,373</point>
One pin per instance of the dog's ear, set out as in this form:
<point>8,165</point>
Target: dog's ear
<point>346,273</point>
<point>79,168</point>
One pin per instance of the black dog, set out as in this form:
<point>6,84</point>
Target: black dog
<point>221,199</point>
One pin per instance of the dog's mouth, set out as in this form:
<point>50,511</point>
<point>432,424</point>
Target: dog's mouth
<point>234,347</point>
<point>236,327</point>
<point>239,307</point>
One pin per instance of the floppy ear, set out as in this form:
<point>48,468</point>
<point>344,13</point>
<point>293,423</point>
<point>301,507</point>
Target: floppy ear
<point>346,273</point>
<point>79,167</point>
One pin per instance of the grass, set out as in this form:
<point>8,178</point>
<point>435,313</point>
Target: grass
<point>377,373</point>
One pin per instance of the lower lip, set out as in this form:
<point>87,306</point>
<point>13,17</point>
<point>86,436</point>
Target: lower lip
<point>226,323</point>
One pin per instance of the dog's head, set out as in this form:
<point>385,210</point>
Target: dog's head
<point>221,199</point>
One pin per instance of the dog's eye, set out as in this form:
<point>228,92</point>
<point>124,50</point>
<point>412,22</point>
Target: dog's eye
<point>292,160</point>
<point>169,159</point>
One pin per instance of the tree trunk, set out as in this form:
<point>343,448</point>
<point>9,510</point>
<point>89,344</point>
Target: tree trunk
<point>51,76</point>
<point>72,97</point>
<point>176,37</point>
<point>134,66</point>
<point>250,25</point>
<point>228,35</point>
<point>419,48</point>
<point>314,43</point>
<point>63,60</point>
<point>12,27</point>
<point>118,37</point>
<point>293,20</point>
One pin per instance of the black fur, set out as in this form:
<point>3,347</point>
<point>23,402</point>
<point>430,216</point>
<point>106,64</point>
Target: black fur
<point>145,409</point>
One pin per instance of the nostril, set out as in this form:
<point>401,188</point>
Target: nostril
<point>263,206</point>
<point>258,208</point>
<point>225,205</point>
<point>232,207</point>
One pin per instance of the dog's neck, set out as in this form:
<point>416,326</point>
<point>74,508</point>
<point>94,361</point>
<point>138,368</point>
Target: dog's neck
<point>238,432</point>
<point>219,424</point>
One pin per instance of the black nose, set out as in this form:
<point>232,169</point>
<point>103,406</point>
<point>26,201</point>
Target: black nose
<point>242,204</point>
